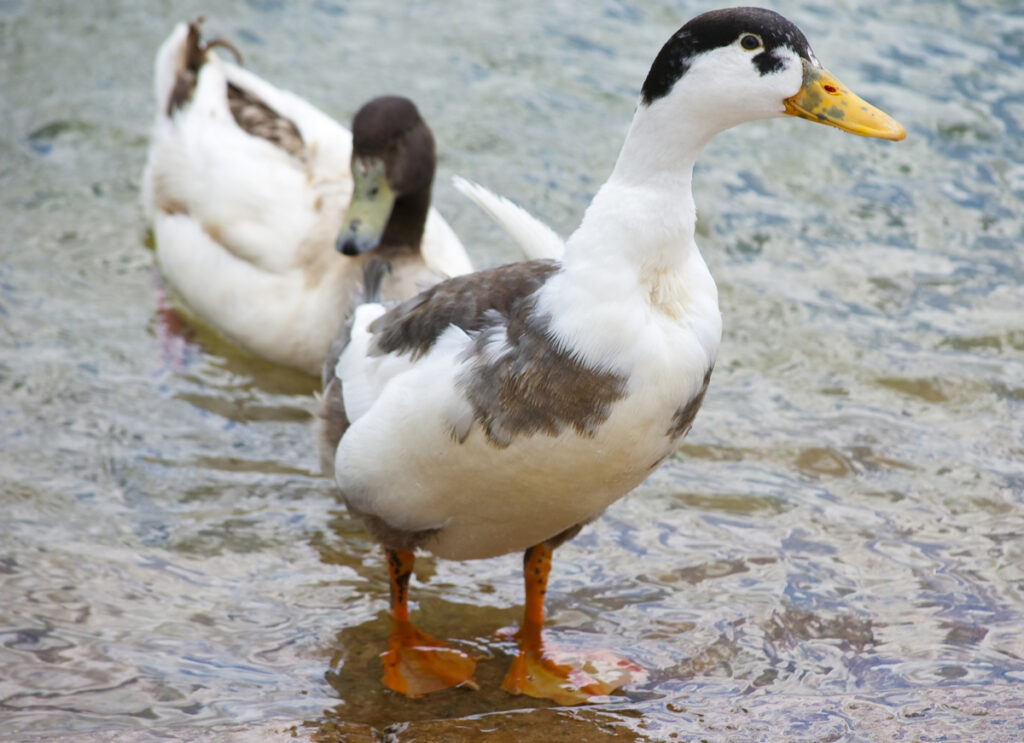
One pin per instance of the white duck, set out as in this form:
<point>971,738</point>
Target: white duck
<point>245,189</point>
<point>503,410</point>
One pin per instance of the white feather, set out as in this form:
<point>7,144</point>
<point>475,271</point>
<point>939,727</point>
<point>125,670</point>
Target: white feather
<point>536,239</point>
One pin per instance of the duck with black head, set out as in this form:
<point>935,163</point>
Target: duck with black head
<point>503,410</point>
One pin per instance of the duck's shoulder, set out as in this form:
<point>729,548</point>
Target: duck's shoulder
<point>471,302</point>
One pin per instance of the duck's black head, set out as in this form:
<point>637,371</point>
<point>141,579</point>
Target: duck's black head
<point>764,35</point>
<point>733,65</point>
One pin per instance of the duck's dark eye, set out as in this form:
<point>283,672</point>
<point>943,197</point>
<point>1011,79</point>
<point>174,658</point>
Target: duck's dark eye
<point>750,42</point>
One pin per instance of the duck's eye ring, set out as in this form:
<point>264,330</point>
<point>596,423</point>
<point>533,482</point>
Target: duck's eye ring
<point>750,42</point>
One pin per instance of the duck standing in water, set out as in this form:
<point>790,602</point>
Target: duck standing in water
<point>504,410</point>
<point>245,189</point>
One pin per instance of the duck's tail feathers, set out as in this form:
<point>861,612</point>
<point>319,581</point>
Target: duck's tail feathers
<point>536,239</point>
<point>178,62</point>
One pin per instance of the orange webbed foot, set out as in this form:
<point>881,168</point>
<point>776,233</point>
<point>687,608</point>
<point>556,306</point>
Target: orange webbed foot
<point>416,664</point>
<point>547,672</point>
<point>569,676</point>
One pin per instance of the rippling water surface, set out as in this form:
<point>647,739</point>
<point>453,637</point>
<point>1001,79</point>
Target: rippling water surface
<point>836,553</point>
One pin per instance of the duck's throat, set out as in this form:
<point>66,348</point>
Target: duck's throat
<point>408,217</point>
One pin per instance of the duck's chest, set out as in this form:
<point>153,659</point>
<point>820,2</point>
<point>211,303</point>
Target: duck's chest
<point>664,390</point>
<point>614,370</point>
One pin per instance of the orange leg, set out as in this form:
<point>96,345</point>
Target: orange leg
<point>549,673</point>
<point>415,663</point>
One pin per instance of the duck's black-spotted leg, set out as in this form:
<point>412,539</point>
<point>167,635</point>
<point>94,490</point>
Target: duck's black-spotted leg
<point>415,663</point>
<point>542,671</point>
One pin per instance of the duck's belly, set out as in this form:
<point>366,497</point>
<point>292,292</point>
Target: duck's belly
<point>482,499</point>
<point>547,486</point>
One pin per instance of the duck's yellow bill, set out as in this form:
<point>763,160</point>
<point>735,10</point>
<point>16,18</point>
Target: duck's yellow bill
<point>826,100</point>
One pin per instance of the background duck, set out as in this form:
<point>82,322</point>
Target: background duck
<point>504,410</point>
<point>245,189</point>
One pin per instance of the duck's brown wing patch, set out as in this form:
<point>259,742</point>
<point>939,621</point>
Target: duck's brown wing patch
<point>252,114</point>
<point>522,382</point>
<point>260,120</point>
<point>683,418</point>
<point>331,417</point>
<point>330,425</point>
<point>471,302</point>
<point>517,378</point>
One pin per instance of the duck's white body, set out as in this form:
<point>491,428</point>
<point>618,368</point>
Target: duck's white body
<point>485,500</point>
<point>503,410</point>
<point>477,432</point>
<point>245,231</point>
<point>632,297</point>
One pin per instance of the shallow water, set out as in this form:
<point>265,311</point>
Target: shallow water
<point>836,553</point>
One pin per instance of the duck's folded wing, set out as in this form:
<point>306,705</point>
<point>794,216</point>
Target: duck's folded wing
<point>325,139</point>
<point>467,302</point>
<point>432,328</point>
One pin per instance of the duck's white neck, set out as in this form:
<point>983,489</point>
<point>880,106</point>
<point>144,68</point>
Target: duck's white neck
<point>643,218</point>
<point>662,142</point>
<point>632,264</point>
